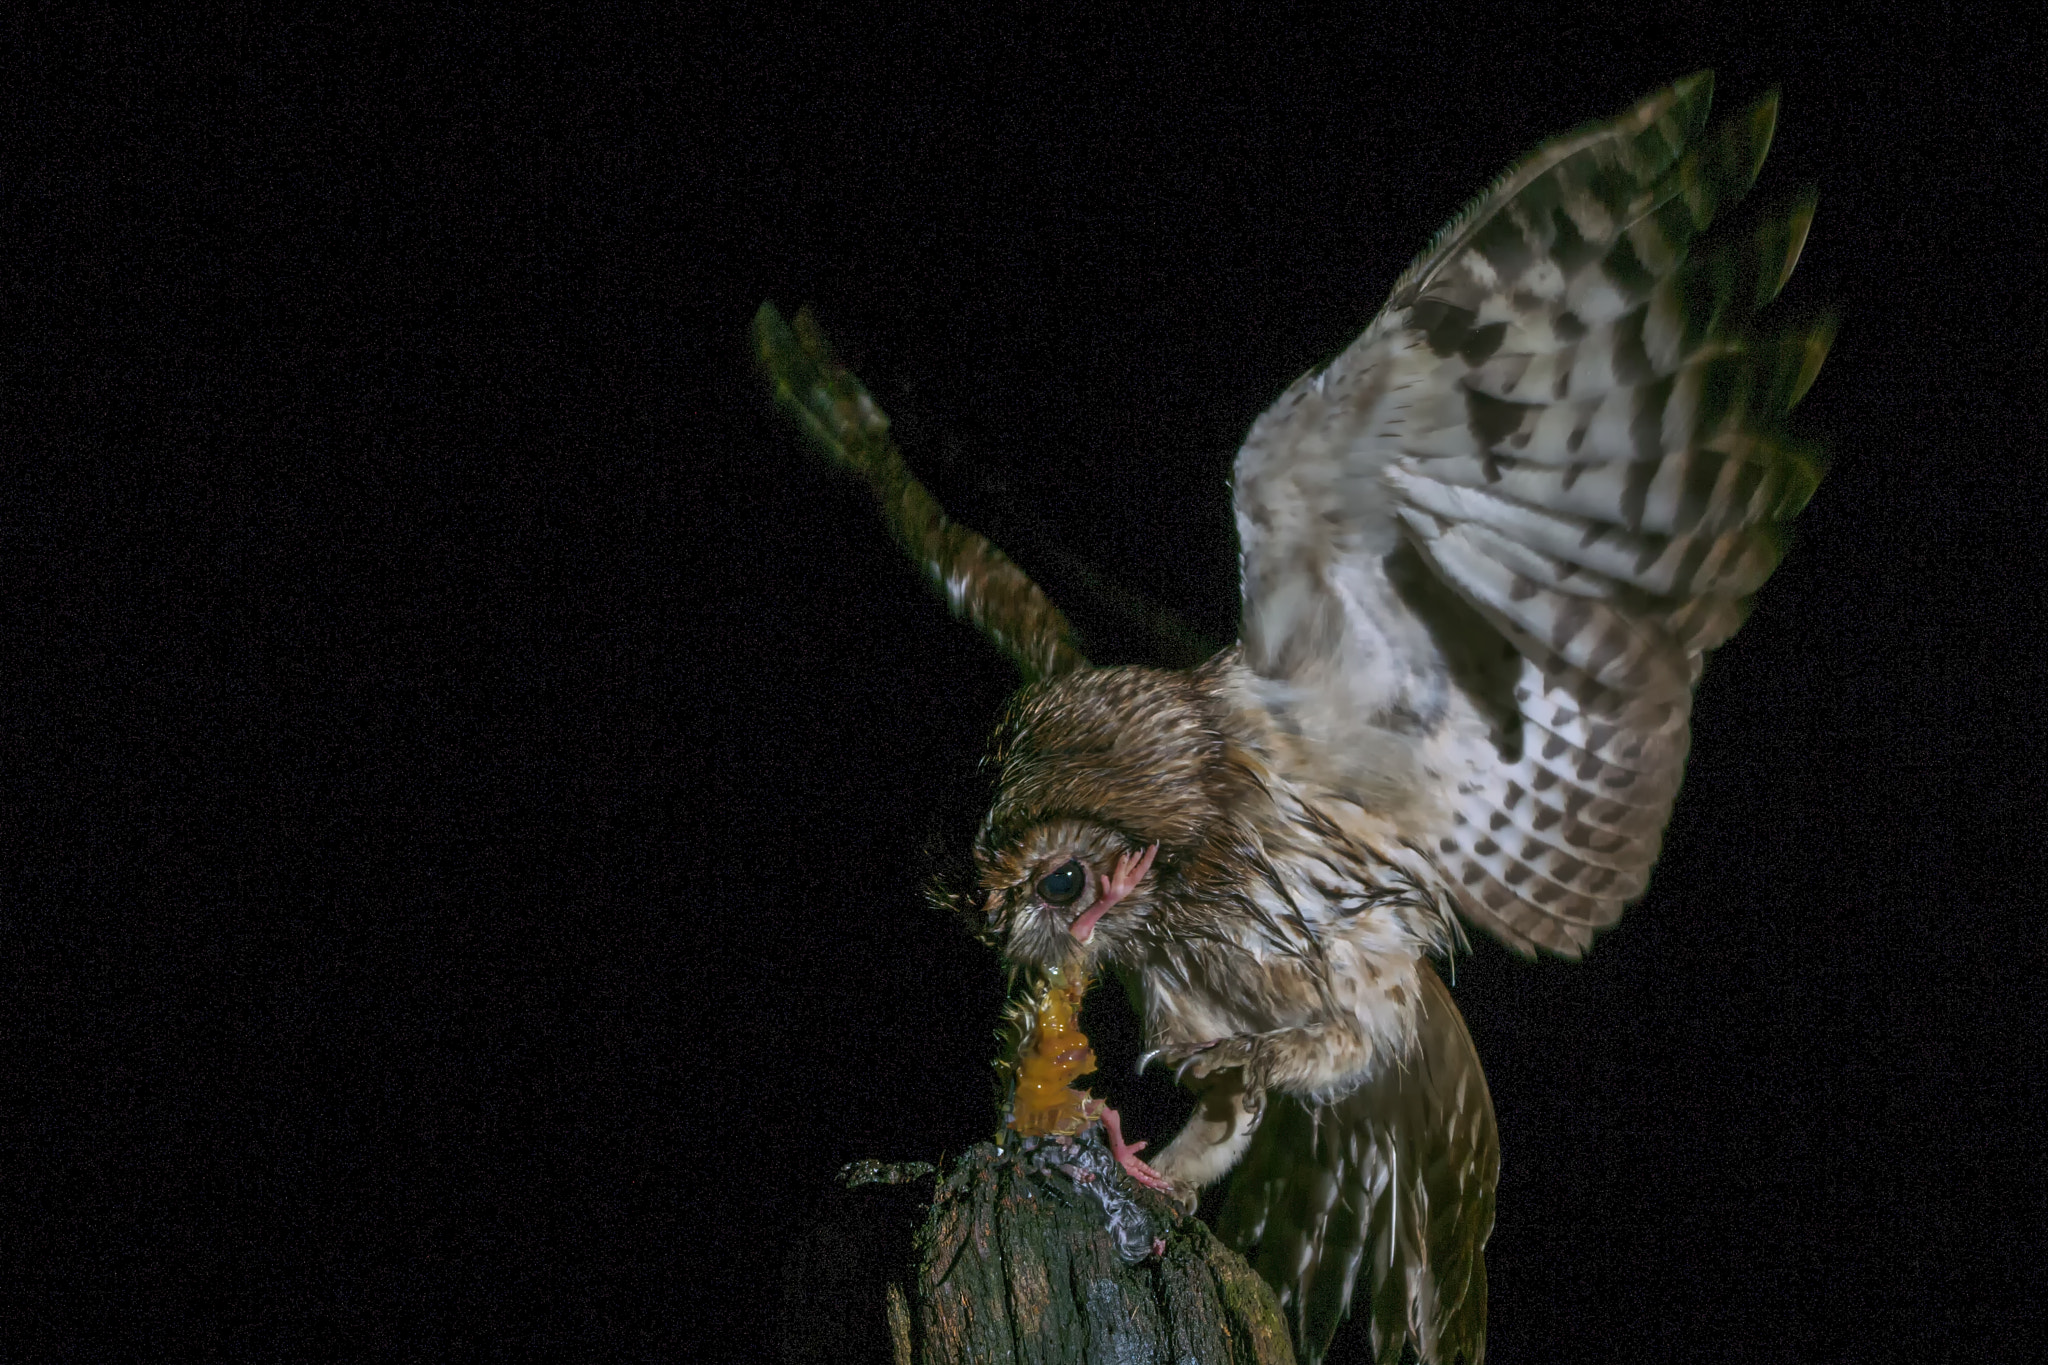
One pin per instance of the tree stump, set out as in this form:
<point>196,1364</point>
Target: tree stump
<point>1042,1253</point>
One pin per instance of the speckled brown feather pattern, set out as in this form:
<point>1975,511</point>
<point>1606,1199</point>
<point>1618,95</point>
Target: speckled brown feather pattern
<point>1398,1178</point>
<point>1484,552</point>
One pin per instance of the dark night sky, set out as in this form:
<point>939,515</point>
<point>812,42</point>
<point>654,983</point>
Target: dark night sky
<point>467,767</point>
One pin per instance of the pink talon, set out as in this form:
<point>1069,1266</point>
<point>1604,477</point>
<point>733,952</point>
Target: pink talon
<point>1129,871</point>
<point>1126,1154</point>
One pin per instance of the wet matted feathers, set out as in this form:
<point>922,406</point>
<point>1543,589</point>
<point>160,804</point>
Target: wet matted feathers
<point>1396,1178</point>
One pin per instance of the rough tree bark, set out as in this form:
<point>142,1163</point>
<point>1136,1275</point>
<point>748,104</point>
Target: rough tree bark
<point>1041,1254</point>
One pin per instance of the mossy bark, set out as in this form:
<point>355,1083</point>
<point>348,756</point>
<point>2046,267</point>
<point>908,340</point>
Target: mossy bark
<point>1011,1256</point>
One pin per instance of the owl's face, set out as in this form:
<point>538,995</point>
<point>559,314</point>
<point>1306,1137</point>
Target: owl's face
<point>1111,791</point>
<point>1068,892</point>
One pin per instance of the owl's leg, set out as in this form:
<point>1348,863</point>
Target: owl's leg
<point>1307,1060</point>
<point>1226,1115</point>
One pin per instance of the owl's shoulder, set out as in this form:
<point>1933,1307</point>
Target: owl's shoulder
<point>1326,764</point>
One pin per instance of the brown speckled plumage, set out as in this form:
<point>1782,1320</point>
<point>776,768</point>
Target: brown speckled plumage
<point>1484,552</point>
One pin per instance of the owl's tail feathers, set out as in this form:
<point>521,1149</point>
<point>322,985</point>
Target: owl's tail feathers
<point>1393,1183</point>
<point>978,581</point>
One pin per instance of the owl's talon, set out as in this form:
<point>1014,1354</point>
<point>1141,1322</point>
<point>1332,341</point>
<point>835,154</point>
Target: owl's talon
<point>1203,1060</point>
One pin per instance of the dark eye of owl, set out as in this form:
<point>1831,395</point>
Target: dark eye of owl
<point>1062,884</point>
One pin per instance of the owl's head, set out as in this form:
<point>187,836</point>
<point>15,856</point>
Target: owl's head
<point>1111,787</point>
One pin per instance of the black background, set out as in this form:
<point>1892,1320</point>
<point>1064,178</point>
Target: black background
<point>467,767</point>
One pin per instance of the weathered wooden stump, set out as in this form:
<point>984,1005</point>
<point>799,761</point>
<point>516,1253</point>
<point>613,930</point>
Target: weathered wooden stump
<point>1041,1254</point>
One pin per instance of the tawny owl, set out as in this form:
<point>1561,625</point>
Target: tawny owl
<point>1484,552</point>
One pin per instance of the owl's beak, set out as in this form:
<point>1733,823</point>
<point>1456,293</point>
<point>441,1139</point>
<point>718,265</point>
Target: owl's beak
<point>1130,870</point>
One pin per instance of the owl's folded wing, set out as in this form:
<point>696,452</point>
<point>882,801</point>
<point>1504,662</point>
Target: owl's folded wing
<point>1511,518</point>
<point>1395,1183</point>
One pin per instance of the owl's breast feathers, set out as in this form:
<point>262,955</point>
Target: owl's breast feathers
<point>1282,953</point>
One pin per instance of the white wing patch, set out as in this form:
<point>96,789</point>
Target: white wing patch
<point>1564,416</point>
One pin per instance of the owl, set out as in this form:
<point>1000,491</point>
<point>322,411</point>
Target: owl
<point>1484,552</point>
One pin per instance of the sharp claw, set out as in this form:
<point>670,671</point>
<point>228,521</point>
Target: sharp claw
<point>1148,1058</point>
<point>1189,1061</point>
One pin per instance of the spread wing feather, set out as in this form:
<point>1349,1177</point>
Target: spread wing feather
<point>1396,1179</point>
<point>1567,415</point>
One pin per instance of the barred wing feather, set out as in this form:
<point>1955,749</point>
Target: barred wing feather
<point>1566,416</point>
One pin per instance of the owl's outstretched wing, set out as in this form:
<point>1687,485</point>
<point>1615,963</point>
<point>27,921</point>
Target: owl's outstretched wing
<point>1386,1195</point>
<point>979,582</point>
<point>1497,534</point>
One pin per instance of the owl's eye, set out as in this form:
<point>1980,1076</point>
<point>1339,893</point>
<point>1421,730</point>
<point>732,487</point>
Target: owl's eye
<point>1061,885</point>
